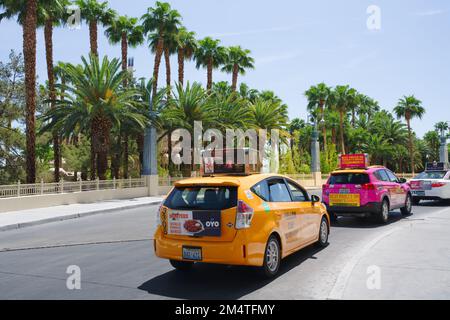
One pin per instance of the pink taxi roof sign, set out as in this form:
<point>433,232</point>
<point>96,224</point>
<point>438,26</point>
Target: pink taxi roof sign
<point>354,161</point>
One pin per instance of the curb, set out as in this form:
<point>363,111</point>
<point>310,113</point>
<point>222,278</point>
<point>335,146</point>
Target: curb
<point>74,216</point>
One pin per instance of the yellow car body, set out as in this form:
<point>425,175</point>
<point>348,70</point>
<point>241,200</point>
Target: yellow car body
<point>296,224</point>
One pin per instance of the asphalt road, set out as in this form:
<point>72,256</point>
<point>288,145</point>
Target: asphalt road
<point>114,252</point>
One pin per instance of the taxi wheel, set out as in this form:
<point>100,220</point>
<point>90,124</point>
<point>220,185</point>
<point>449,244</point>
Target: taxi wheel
<point>182,265</point>
<point>272,257</point>
<point>323,233</point>
<point>383,214</point>
<point>407,209</point>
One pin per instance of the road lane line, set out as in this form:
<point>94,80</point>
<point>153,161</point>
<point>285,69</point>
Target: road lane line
<point>339,287</point>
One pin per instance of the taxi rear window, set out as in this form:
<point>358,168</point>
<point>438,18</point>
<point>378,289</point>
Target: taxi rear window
<point>202,198</point>
<point>432,175</point>
<point>349,178</point>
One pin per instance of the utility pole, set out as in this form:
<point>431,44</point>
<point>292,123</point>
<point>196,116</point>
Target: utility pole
<point>150,163</point>
<point>443,150</point>
<point>315,155</point>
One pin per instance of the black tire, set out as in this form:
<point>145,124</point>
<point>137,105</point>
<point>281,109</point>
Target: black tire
<point>271,264</point>
<point>324,231</point>
<point>407,209</point>
<point>182,265</point>
<point>383,215</point>
<point>415,201</point>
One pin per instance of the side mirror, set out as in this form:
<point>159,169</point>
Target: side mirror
<point>402,180</point>
<point>315,198</point>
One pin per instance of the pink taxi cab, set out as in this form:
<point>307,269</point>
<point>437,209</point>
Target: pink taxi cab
<point>357,189</point>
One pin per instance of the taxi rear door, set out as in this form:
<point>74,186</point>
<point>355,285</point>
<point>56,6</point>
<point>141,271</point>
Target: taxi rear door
<point>290,222</point>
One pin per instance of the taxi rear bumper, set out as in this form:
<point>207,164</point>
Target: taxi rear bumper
<point>361,211</point>
<point>236,252</point>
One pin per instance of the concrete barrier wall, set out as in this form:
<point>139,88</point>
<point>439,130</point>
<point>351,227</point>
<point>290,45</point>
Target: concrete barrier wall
<point>42,201</point>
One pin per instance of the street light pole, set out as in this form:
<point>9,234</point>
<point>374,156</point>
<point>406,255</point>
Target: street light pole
<point>150,163</point>
<point>315,155</point>
<point>443,150</point>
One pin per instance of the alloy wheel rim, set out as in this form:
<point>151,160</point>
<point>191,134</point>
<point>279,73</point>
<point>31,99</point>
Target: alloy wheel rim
<point>385,211</point>
<point>272,256</point>
<point>408,203</point>
<point>323,232</point>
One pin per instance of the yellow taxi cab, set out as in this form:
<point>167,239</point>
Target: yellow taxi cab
<point>238,219</point>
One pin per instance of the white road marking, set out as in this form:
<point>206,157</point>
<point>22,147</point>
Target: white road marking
<point>341,282</point>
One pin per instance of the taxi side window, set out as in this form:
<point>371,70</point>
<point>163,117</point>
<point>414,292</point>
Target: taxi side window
<point>298,195</point>
<point>391,176</point>
<point>261,190</point>
<point>278,191</point>
<point>381,175</point>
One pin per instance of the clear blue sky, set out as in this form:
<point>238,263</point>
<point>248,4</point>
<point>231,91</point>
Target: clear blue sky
<point>299,43</point>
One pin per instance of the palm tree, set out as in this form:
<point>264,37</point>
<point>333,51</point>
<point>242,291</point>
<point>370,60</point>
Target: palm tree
<point>186,45</point>
<point>317,98</point>
<point>52,14</point>
<point>93,13</point>
<point>94,103</point>
<point>237,61</point>
<point>125,30</point>
<point>169,49</point>
<point>247,93</point>
<point>189,104</point>
<point>161,20</point>
<point>409,107</point>
<point>210,55</point>
<point>343,98</point>
<point>26,10</point>
<point>442,127</point>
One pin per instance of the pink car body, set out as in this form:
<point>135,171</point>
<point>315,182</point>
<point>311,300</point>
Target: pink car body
<point>362,192</point>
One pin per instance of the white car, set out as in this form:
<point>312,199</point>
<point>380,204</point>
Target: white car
<point>431,185</point>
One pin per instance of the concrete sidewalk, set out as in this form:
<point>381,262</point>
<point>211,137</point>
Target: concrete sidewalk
<point>25,218</point>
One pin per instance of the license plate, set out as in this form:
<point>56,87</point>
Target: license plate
<point>345,200</point>
<point>418,193</point>
<point>427,185</point>
<point>190,253</point>
<point>344,191</point>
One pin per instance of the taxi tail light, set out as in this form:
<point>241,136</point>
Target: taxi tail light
<point>438,184</point>
<point>369,186</point>
<point>158,215</point>
<point>244,215</point>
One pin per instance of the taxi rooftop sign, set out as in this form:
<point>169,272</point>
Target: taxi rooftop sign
<point>231,161</point>
<point>436,166</point>
<point>353,161</point>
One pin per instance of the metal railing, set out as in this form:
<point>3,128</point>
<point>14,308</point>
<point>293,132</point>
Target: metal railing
<point>168,181</point>
<point>22,190</point>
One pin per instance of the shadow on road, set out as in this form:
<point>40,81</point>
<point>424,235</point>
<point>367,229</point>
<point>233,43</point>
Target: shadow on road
<point>209,281</point>
<point>369,222</point>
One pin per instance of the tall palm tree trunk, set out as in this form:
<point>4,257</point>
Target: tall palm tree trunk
<point>93,159</point>
<point>341,126</point>
<point>158,55</point>
<point>180,66</point>
<point>93,37</point>
<point>29,52</point>
<point>235,77</point>
<point>48,34</point>
<point>209,74</point>
<point>168,77</point>
<point>125,156</point>
<point>411,146</point>
<point>125,57</point>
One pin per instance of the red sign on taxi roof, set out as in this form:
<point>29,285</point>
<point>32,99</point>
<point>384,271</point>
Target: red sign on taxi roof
<point>353,161</point>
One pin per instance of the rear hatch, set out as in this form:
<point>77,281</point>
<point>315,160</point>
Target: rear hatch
<point>200,212</point>
<point>348,189</point>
